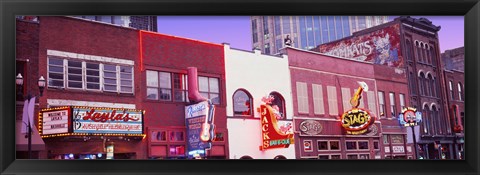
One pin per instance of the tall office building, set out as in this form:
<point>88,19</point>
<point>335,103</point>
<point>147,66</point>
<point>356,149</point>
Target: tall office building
<point>454,59</point>
<point>306,32</point>
<point>138,22</point>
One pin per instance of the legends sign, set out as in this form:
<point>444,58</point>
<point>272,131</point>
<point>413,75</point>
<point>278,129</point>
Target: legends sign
<point>272,137</point>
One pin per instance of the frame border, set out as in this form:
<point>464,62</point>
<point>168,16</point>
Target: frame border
<point>10,8</point>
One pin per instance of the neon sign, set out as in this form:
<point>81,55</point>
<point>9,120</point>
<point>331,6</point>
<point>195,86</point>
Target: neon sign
<point>272,137</point>
<point>410,117</point>
<point>357,120</point>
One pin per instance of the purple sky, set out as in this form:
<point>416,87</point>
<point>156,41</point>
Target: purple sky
<point>236,29</point>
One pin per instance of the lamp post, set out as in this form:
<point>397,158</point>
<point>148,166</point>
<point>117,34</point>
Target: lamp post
<point>41,86</point>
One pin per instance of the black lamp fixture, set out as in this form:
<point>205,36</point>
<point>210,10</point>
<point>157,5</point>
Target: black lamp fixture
<point>19,82</point>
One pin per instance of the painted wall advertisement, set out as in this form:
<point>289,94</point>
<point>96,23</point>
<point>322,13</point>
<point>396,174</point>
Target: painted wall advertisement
<point>107,121</point>
<point>380,47</point>
<point>199,130</point>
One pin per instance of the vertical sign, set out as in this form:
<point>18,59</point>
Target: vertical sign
<point>195,117</point>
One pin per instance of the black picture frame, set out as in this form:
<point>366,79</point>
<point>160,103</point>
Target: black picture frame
<point>8,9</point>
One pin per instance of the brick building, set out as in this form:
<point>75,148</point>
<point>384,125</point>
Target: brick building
<point>164,60</point>
<point>411,44</point>
<point>454,59</point>
<point>455,90</point>
<point>322,87</point>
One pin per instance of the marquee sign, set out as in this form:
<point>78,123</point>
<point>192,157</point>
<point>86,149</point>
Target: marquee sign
<point>379,47</point>
<point>54,121</point>
<point>410,117</point>
<point>103,121</point>
<point>272,137</point>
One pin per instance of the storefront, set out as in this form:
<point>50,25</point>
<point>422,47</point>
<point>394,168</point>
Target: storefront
<point>77,132</point>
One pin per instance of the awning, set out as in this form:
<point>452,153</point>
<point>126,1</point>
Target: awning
<point>22,141</point>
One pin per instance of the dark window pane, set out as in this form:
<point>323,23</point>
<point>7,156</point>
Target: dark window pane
<point>55,69</point>
<point>93,72</point>
<point>53,61</point>
<point>93,86</point>
<point>74,71</point>
<point>126,89</point>
<point>165,94</point>
<point>56,76</point>
<point>126,69</point>
<point>110,81</point>
<point>110,67</point>
<point>125,76</point>
<point>93,79</point>
<point>322,145</point>
<point>351,145</point>
<point>179,95</point>
<point>92,66</point>
<point>335,157</point>
<point>110,75</point>
<point>74,78</point>
<point>126,82</point>
<point>74,64</point>
<point>323,157</point>
<point>110,87</point>
<point>75,84</point>
<point>52,82</point>
<point>352,156</point>
<point>363,145</point>
<point>334,145</point>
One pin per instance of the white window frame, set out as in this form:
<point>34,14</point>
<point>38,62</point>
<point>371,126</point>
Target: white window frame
<point>393,106</point>
<point>356,145</point>
<point>371,101</point>
<point>63,71</point>
<point>381,101</point>
<point>100,79</point>
<point>402,101</point>
<point>82,74</point>
<point>120,79</point>
<point>459,92</point>
<point>346,96</point>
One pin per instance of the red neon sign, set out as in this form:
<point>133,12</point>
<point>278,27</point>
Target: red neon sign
<point>271,135</point>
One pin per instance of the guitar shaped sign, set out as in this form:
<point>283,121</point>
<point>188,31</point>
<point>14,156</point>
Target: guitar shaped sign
<point>355,100</point>
<point>208,128</point>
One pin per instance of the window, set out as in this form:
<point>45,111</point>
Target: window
<point>126,79</point>
<point>177,150</point>
<point>409,50</point>
<point>363,145</point>
<point>74,74</point>
<point>376,146</point>
<point>433,55</point>
<point>323,157</point>
<point>110,78</point>
<point>254,30</point>
<point>265,25</point>
<point>362,23</point>
<point>286,24</point>
<point>278,29</point>
<point>397,139</point>
<point>393,107</point>
<point>176,136</point>
<point>334,145</point>
<point>402,101</point>
<point>460,95</point>
<point>152,85</point>
<point>278,103</point>
<point>338,27</point>
<point>242,103</point>
<point>428,88</point>
<point>450,85</point>
<point>88,75</point>
<point>346,96</point>
<point>324,29</point>
<point>412,83</point>
<point>371,101</point>
<point>335,157</point>
<point>433,87</point>
<point>159,86</point>
<point>352,156</point>
<point>219,137</point>
<point>364,156</point>
<point>93,76</point>
<point>385,139</point>
<point>55,72</point>
<point>332,100</point>
<point>381,101</point>
<point>302,98</point>
<point>158,136</point>
<point>322,145</point>
<point>421,80</point>
<point>426,119</point>
<point>318,99</point>
<point>209,88</point>
<point>346,26</point>
<point>351,145</point>
<point>267,48</point>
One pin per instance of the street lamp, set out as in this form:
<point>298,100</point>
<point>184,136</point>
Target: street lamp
<point>41,86</point>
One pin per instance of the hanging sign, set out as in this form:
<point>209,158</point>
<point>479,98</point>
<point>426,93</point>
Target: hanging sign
<point>272,136</point>
<point>200,128</point>
<point>356,121</point>
<point>410,117</point>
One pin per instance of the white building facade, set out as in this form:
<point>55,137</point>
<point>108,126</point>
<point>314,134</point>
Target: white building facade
<point>249,77</point>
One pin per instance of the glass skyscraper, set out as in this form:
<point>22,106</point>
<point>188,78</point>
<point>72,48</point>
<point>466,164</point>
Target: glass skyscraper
<point>138,22</point>
<point>306,32</point>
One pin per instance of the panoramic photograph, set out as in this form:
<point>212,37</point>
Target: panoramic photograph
<point>240,87</point>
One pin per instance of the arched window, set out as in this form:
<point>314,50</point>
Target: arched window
<point>278,103</point>
<point>421,84</point>
<point>437,120</point>
<point>431,81</point>
<point>246,157</point>
<point>427,85</point>
<point>450,87</point>
<point>279,157</point>
<point>460,94</point>
<point>242,103</point>
<point>422,48</point>
<point>427,50</point>
<point>433,55</point>
<point>409,49</point>
<point>426,120</point>
<point>419,50</point>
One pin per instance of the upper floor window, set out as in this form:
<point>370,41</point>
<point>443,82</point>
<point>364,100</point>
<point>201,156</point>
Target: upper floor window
<point>450,86</point>
<point>242,103</point>
<point>166,86</point>
<point>421,83</point>
<point>408,49</point>
<point>393,107</point>
<point>302,98</point>
<point>381,101</point>
<point>209,88</point>
<point>76,74</point>
<point>332,100</point>
<point>278,104</point>
<point>460,94</point>
<point>402,101</point>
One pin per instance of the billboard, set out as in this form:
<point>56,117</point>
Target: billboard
<point>107,121</point>
<point>381,46</point>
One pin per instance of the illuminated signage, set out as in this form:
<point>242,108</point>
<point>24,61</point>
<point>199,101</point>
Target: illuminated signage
<point>311,127</point>
<point>102,121</point>
<point>272,137</point>
<point>410,117</point>
<point>379,47</point>
<point>200,128</point>
<point>55,121</point>
<point>356,121</point>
